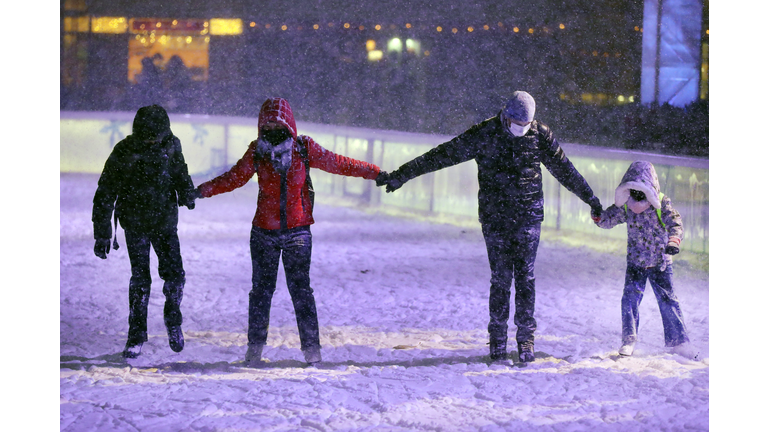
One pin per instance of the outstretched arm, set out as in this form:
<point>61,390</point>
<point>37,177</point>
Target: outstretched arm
<point>328,161</point>
<point>458,150</point>
<point>236,177</point>
<point>554,158</point>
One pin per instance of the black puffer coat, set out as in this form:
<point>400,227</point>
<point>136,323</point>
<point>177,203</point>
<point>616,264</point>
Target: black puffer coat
<point>509,170</point>
<point>144,183</point>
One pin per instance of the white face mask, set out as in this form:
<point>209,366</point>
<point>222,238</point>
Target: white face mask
<point>638,206</point>
<point>514,128</point>
<point>518,130</point>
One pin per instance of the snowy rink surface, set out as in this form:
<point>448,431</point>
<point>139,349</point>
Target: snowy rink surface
<point>403,310</point>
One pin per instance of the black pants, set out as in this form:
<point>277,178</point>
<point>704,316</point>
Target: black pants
<point>165,242</point>
<point>295,246</point>
<point>512,254</point>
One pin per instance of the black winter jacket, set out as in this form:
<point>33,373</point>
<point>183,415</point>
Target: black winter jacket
<point>509,170</point>
<point>144,184</point>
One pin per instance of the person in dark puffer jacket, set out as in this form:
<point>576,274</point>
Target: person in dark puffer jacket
<point>654,233</point>
<point>144,181</point>
<point>509,149</point>
<point>281,159</point>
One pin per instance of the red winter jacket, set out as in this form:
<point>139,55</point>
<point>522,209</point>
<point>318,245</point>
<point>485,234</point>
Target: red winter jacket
<point>298,208</point>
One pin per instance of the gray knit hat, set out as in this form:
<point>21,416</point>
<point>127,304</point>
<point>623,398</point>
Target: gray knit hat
<point>520,107</point>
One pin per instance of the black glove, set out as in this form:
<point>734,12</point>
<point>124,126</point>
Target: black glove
<point>394,182</point>
<point>672,249</point>
<point>101,248</point>
<point>190,204</point>
<point>382,178</point>
<point>597,209</point>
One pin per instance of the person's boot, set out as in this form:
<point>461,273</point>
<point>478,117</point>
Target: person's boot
<point>312,355</point>
<point>627,349</point>
<point>175,338</point>
<point>253,354</point>
<point>132,349</point>
<point>525,351</point>
<point>498,350</point>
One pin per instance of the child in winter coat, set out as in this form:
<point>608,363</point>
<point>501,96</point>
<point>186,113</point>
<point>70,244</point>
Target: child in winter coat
<point>144,181</point>
<point>654,233</point>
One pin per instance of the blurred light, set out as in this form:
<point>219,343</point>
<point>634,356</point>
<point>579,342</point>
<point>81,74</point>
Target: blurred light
<point>76,24</point>
<point>375,55</point>
<point>188,39</point>
<point>316,26</point>
<point>631,98</point>
<point>413,46</point>
<point>605,54</point>
<point>252,24</point>
<point>226,27</point>
<point>158,24</point>
<point>330,24</point>
<point>370,45</point>
<point>707,31</point>
<point>637,28</point>
<point>562,26</point>
<point>486,27</point>
<point>515,29</point>
<point>501,24</point>
<point>439,29</point>
<point>586,97</point>
<point>454,30</point>
<point>470,29</point>
<point>284,27</point>
<point>621,98</point>
<point>361,28</point>
<point>407,25</point>
<point>426,53</point>
<point>530,30</point>
<point>346,25</point>
<point>377,27</point>
<point>267,25</point>
<point>395,44</point>
<point>175,22</point>
<point>546,29</point>
<point>594,53</point>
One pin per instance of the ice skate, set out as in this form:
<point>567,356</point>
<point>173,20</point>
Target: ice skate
<point>498,351</point>
<point>132,349</point>
<point>253,354</point>
<point>627,349</point>
<point>175,338</point>
<point>312,355</point>
<point>525,352</point>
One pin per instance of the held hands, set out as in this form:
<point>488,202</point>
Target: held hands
<point>190,204</point>
<point>390,180</point>
<point>101,248</point>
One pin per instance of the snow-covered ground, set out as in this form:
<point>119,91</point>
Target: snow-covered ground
<point>403,306</point>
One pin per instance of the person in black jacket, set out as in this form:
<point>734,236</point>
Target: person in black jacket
<point>144,181</point>
<point>509,149</point>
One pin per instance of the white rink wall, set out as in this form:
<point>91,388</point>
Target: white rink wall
<point>212,144</point>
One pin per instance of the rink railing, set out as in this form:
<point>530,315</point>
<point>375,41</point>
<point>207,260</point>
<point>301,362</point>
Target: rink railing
<point>213,143</point>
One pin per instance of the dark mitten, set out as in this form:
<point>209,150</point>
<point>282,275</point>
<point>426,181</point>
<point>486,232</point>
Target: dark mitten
<point>596,209</point>
<point>382,178</point>
<point>101,248</point>
<point>395,182</point>
<point>672,249</point>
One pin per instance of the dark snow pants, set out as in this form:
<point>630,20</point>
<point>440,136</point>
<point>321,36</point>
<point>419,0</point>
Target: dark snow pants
<point>295,245</point>
<point>512,254</point>
<point>675,332</point>
<point>165,242</point>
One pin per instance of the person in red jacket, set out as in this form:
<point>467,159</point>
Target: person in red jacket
<point>281,160</point>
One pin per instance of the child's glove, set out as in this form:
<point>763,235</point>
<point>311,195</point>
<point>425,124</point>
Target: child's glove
<point>101,248</point>
<point>394,182</point>
<point>673,247</point>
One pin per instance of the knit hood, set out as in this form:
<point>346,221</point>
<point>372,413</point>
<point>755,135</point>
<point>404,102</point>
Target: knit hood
<point>640,176</point>
<point>277,110</point>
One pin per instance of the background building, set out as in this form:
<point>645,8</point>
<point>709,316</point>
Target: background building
<point>421,66</point>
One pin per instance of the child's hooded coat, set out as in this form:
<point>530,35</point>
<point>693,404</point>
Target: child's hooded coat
<point>647,237</point>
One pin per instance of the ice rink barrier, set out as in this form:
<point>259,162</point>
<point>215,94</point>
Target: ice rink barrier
<point>213,143</point>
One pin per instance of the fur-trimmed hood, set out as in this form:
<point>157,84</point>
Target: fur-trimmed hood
<point>641,176</point>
